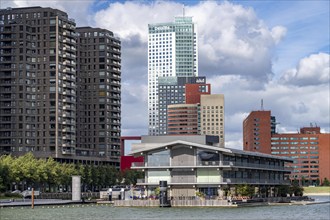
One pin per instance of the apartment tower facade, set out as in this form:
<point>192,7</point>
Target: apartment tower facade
<point>172,51</point>
<point>38,86</point>
<point>99,94</point>
<point>38,82</point>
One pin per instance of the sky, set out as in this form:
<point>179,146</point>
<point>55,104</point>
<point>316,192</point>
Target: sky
<point>275,51</point>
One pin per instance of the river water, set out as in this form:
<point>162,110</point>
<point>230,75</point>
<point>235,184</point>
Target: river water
<point>86,212</point>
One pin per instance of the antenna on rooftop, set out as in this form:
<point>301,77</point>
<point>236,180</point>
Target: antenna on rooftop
<point>183,12</point>
<point>262,104</point>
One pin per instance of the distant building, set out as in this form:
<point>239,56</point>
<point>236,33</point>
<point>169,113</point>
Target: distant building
<point>192,164</point>
<point>172,90</point>
<point>212,116</point>
<point>183,119</point>
<point>309,148</point>
<point>205,117</point>
<point>172,51</point>
<point>257,130</point>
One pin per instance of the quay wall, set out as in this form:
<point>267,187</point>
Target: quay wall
<point>202,202</point>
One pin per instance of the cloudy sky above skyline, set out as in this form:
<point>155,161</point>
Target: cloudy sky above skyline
<point>277,51</point>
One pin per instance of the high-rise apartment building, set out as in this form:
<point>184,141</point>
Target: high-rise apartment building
<point>309,148</point>
<point>38,82</point>
<point>212,119</point>
<point>99,94</point>
<point>172,90</point>
<point>257,130</point>
<point>172,51</point>
<point>38,87</point>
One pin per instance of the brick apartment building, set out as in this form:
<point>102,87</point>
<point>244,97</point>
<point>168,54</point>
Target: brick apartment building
<point>309,148</point>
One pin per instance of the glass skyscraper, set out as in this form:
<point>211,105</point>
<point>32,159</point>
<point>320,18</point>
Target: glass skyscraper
<point>172,51</point>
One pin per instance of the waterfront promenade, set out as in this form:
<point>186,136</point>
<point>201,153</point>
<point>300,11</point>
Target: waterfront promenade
<point>107,211</point>
<point>39,202</point>
<point>174,203</point>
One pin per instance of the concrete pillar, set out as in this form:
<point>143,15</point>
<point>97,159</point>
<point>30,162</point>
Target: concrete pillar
<point>220,192</point>
<point>76,188</point>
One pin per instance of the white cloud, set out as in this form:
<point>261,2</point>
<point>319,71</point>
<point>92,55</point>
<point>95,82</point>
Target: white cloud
<point>78,10</point>
<point>278,33</point>
<point>312,70</point>
<point>131,18</point>
<point>234,41</point>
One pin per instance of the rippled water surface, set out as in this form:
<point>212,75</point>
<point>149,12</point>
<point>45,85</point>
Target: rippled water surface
<point>84,212</point>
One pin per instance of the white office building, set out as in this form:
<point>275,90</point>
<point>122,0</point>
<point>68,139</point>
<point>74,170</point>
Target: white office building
<point>172,51</point>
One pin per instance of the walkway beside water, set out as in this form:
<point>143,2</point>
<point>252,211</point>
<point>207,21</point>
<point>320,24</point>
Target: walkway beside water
<point>39,202</point>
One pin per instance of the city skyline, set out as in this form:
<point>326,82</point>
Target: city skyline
<point>247,50</point>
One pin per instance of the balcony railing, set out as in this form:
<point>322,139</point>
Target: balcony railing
<point>255,180</point>
<point>216,164</point>
<point>194,181</point>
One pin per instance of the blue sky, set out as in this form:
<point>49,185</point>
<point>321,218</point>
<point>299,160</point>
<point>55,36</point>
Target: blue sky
<point>277,51</point>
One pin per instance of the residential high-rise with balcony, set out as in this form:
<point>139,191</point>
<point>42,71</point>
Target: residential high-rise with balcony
<point>38,88</point>
<point>38,82</point>
<point>99,94</point>
<point>172,51</point>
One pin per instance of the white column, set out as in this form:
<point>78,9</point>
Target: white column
<point>76,188</point>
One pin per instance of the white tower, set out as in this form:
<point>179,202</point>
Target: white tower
<point>172,51</point>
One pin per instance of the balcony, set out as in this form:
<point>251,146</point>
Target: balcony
<point>254,181</point>
<point>193,181</point>
<point>218,164</point>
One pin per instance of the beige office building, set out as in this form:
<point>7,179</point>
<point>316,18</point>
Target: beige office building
<point>212,116</point>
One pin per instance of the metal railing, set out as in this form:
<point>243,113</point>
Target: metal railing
<point>223,181</point>
<point>217,164</point>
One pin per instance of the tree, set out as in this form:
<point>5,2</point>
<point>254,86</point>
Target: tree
<point>303,181</point>
<point>131,176</point>
<point>326,182</point>
<point>4,177</point>
<point>296,189</point>
<point>245,190</point>
<point>283,190</point>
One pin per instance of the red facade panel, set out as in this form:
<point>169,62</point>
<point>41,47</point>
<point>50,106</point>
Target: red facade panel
<point>126,161</point>
<point>194,92</point>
